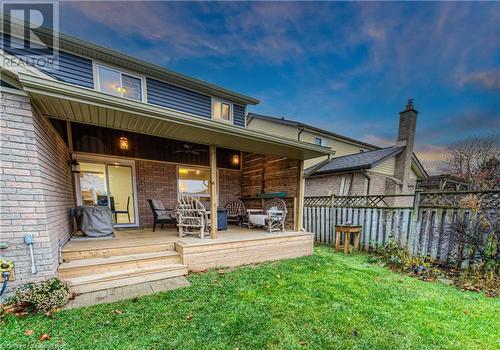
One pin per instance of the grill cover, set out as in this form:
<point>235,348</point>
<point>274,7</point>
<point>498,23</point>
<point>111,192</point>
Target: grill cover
<point>94,221</point>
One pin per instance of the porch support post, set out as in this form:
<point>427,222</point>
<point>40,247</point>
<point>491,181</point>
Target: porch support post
<point>213,190</point>
<point>299,208</point>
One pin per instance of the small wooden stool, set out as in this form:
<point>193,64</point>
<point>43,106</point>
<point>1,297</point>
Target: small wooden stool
<point>347,230</point>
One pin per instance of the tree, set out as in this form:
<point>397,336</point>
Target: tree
<point>476,160</point>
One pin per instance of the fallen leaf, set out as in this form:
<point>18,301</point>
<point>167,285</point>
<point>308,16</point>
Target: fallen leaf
<point>221,272</point>
<point>354,333</point>
<point>29,332</point>
<point>189,317</point>
<point>44,336</point>
<point>199,270</point>
<point>466,312</point>
<point>119,312</point>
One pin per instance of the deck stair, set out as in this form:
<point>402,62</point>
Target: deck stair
<point>92,268</point>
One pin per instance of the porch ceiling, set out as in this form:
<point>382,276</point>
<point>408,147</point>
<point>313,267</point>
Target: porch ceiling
<point>65,101</point>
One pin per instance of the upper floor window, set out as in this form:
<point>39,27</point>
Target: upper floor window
<point>222,110</point>
<point>318,141</point>
<point>114,82</point>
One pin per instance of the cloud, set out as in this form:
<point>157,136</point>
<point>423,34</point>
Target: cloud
<point>487,79</point>
<point>432,157</point>
<point>378,140</point>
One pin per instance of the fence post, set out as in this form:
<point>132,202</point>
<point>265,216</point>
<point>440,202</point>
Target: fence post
<point>413,224</point>
<point>333,219</point>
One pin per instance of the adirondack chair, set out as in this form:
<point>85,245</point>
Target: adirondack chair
<point>237,211</point>
<point>272,216</point>
<point>192,217</point>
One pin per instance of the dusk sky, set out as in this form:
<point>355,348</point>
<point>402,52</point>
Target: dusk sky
<point>345,67</point>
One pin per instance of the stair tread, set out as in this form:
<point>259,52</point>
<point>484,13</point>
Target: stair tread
<point>122,274</point>
<point>130,281</point>
<point>115,259</point>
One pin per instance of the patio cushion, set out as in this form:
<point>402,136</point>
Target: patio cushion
<point>158,205</point>
<point>257,219</point>
<point>164,217</point>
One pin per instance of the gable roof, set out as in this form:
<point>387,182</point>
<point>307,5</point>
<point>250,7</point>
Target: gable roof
<point>283,121</point>
<point>358,161</point>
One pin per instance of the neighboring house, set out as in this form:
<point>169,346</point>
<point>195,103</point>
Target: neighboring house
<point>356,167</point>
<point>390,170</point>
<point>444,182</point>
<point>105,128</point>
<point>340,145</point>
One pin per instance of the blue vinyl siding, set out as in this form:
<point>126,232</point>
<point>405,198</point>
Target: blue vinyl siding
<point>239,115</point>
<point>71,69</point>
<point>174,97</point>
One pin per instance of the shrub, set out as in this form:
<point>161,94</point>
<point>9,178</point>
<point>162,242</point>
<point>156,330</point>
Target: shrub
<point>399,260</point>
<point>45,296</point>
<point>481,277</point>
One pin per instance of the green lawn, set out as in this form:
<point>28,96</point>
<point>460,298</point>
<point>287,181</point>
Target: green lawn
<point>326,301</point>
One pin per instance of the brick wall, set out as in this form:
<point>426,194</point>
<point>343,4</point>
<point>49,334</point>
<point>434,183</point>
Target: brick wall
<point>158,180</point>
<point>36,188</point>
<point>229,186</point>
<point>328,185</point>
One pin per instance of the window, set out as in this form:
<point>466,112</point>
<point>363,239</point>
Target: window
<point>318,141</point>
<point>345,185</point>
<point>193,182</point>
<point>117,83</point>
<point>222,110</point>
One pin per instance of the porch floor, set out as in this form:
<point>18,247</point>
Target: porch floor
<point>145,236</point>
<point>141,256</point>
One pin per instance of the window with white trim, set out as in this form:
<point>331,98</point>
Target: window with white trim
<point>115,82</point>
<point>222,110</point>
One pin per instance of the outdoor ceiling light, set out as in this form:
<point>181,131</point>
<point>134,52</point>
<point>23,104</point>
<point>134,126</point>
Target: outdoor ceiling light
<point>235,159</point>
<point>123,143</point>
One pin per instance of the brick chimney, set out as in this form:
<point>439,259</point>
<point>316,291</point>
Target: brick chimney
<point>406,139</point>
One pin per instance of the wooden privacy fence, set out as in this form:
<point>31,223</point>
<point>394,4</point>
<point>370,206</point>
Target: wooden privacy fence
<point>384,218</point>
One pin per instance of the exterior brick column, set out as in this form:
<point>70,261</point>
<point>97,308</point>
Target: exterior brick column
<point>36,189</point>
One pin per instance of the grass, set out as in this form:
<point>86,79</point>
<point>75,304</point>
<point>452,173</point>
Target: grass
<point>325,301</point>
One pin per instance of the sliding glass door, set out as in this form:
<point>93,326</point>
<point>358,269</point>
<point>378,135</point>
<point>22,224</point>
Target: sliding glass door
<point>109,184</point>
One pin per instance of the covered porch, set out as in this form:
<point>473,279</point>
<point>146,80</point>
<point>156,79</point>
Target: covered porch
<point>162,146</point>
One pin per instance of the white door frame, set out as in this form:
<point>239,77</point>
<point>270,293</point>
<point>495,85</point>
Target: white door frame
<point>91,158</point>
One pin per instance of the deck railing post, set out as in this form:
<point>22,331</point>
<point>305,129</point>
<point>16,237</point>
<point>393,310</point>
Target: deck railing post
<point>213,190</point>
<point>413,224</point>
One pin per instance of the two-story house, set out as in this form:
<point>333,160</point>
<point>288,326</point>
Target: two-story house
<point>355,167</point>
<point>104,128</point>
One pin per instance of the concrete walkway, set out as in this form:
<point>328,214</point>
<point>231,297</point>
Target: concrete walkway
<point>127,292</point>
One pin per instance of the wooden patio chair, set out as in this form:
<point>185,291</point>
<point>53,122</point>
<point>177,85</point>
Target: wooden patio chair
<point>237,211</point>
<point>161,215</point>
<point>272,216</point>
<point>192,217</point>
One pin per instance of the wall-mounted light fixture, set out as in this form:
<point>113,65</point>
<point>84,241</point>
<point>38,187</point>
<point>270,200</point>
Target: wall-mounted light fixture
<point>235,159</point>
<point>123,143</point>
<point>75,166</point>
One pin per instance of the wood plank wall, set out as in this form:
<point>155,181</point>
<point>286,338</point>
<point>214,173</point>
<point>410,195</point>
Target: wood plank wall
<point>266,173</point>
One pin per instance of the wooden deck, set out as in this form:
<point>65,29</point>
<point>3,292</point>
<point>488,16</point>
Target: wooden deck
<point>141,256</point>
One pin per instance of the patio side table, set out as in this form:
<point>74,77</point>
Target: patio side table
<point>347,231</point>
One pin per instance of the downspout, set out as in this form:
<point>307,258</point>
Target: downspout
<point>369,180</point>
<point>301,130</point>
